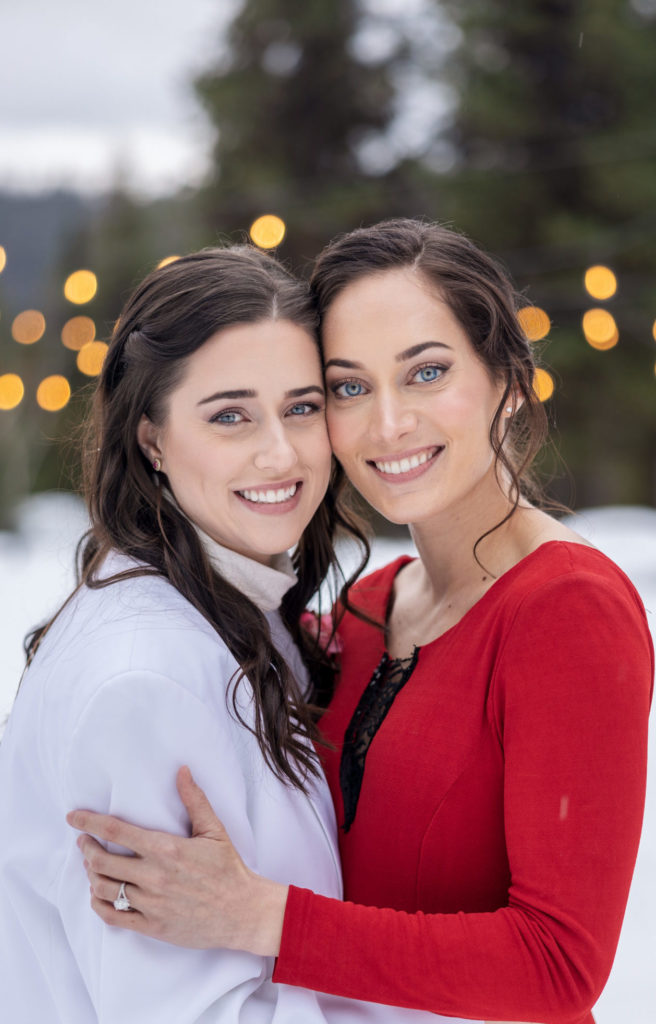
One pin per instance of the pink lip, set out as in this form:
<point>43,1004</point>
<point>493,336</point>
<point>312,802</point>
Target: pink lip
<point>412,474</point>
<point>275,508</point>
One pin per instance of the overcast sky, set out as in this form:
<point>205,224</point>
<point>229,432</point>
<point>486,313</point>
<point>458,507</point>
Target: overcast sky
<point>90,86</point>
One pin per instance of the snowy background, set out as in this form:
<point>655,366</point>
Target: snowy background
<point>36,570</point>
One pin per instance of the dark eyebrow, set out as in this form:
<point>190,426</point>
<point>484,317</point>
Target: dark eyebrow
<point>299,392</point>
<point>244,393</point>
<point>408,353</point>
<point>414,350</point>
<point>346,364</point>
<point>250,393</point>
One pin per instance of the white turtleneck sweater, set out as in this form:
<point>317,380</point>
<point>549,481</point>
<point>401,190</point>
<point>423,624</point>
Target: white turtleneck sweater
<point>129,684</point>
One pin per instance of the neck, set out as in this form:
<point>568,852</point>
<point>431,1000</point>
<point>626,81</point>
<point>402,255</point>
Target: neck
<point>446,544</point>
<point>263,581</point>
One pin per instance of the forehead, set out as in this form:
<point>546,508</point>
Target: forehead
<point>396,304</point>
<point>268,351</point>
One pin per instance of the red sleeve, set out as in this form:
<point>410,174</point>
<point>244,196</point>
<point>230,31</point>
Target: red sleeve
<point>569,699</point>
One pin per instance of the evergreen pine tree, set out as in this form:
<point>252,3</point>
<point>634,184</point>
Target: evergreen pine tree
<point>554,144</point>
<point>292,102</point>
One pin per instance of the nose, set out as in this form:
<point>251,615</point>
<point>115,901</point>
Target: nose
<point>391,418</point>
<point>275,454</point>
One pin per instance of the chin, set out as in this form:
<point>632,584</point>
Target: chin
<point>400,512</point>
<point>278,541</point>
<point>393,517</point>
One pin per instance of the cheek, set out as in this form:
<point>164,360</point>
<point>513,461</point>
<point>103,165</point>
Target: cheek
<point>339,433</point>
<point>468,410</point>
<point>196,466</point>
<point>318,453</point>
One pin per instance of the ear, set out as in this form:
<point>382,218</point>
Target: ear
<point>514,401</point>
<point>148,439</point>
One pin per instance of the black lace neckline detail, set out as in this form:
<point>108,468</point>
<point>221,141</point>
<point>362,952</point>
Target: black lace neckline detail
<point>389,677</point>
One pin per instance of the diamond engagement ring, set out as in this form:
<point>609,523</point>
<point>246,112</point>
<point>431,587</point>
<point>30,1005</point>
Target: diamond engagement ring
<point>122,902</point>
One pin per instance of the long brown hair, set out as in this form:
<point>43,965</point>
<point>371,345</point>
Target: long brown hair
<point>480,294</point>
<point>169,316</point>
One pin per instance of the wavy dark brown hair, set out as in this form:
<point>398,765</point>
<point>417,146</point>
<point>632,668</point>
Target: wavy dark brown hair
<point>170,315</point>
<point>480,294</point>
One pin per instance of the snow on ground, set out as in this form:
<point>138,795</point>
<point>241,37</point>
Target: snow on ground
<point>36,573</point>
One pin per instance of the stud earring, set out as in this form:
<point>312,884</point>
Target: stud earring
<point>509,409</point>
<point>157,465</point>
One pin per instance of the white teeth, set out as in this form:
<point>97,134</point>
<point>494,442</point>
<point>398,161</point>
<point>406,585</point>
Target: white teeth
<point>405,465</point>
<point>270,497</point>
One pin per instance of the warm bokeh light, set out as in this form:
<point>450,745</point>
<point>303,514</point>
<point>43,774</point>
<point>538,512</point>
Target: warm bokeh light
<point>11,390</point>
<point>268,231</point>
<point>600,282</point>
<point>534,322</point>
<point>28,326</point>
<point>3,258</point>
<point>604,346</point>
<point>91,357</point>
<point>600,329</point>
<point>81,286</point>
<point>653,331</point>
<point>78,331</point>
<point>53,393</point>
<point>167,259</point>
<point>543,384</point>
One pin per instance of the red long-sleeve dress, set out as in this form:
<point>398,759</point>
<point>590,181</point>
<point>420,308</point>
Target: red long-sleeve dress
<point>501,802</point>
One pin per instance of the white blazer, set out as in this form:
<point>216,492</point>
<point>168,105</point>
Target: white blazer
<point>129,684</point>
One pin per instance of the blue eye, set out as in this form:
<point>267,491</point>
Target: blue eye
<point>228,416</point>
<point>348,389</point>
<point>428,374</point>
<point>303,408</point>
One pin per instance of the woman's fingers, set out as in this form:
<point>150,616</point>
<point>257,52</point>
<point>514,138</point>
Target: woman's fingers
<point>113,830</point>
<point>112,865</point>
<point>144,841</point>
<point>131,920</point>
<point>194,891</point>
<point>107,889</point>
<point>204,821</point>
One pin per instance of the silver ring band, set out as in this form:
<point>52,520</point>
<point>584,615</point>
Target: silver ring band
<point>122,902</point>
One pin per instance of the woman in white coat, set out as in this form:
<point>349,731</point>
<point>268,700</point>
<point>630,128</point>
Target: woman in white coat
<point>207,460</point>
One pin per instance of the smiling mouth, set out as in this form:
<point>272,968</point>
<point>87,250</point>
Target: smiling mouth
<point>399,467</point>
<point>271,496</point>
